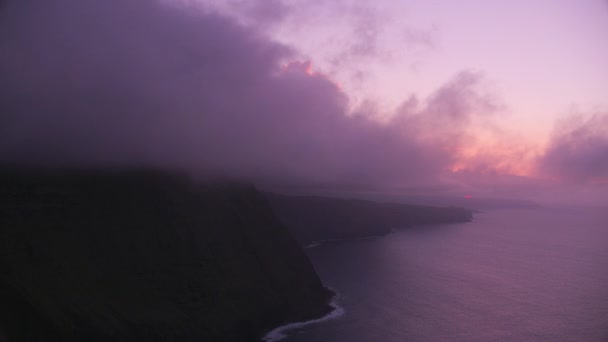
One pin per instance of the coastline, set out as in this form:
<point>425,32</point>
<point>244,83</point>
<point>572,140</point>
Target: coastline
<point>281,332</point>
<point>314,244</point>
<point>138,255</point>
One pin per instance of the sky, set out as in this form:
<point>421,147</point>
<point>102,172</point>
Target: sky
<point>543,59</point>
<point>485,97</point>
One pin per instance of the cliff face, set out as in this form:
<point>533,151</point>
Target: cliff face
<point>312,218</point>
<point>143,256</point>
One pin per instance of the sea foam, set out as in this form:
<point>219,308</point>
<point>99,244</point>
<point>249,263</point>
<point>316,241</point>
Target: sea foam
<point>280,333</point>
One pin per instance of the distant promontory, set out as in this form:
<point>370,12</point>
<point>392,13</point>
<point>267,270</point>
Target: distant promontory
<point>314,219</point>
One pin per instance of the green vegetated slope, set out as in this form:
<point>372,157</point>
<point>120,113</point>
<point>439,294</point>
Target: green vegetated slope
<point>145,256</point>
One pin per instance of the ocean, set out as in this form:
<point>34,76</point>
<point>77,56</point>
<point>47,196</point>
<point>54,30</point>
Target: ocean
<point>510,275</point>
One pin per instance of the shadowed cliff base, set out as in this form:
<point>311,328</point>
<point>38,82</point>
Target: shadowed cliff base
<point>145,256</point>
<point>314,219</point>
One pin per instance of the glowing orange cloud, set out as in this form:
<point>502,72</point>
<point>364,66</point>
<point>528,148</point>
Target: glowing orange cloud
<point>500,154</point>
<point>306,68</point>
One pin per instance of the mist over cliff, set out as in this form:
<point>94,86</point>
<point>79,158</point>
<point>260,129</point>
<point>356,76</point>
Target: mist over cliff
<point>181,85</point>
<point>148,83</point>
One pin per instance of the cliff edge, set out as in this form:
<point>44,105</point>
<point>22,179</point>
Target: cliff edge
<point>145,256</point>
<point>314,219</point>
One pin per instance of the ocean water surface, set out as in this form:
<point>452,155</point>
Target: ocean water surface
<point>511,275</point>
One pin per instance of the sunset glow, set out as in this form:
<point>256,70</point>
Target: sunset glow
<point>369,94</point>
<point>303,170</point>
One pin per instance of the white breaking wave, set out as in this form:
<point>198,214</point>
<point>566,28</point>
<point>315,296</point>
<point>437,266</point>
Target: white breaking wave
<point>281,332</point>
<point>313,244</point>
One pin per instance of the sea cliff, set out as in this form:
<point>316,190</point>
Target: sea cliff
<point>313,219</point>
<point>145,256</point>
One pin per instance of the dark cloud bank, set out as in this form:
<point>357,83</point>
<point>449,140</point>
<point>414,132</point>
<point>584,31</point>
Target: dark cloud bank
<point>139,83</point>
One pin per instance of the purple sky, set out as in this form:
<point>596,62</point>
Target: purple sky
<point>542,57</point>
<point>383,94</point>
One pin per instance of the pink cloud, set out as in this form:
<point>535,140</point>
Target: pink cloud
<point>578,149</point>
<point>133,82</point>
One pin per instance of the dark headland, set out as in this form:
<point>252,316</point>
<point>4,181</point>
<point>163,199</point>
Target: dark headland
<point>314,219</point>
<point>152,256</point>
<point>146,256</point>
